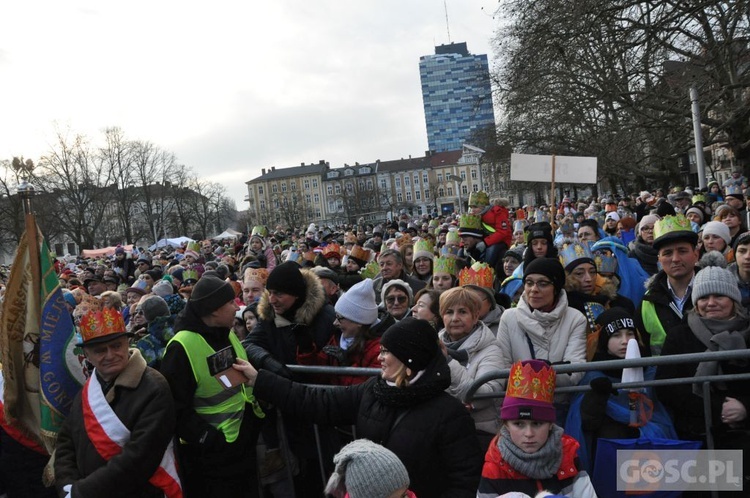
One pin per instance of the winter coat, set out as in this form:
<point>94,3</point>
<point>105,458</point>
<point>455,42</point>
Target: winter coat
<point>434,438</point>
<point>743,286</point>
<point>646,255</point>
<point>492,318</point>
<point>497,217</point>
<point>328,356</point>
<point>484,356</point>
<point>659,296</point>
<point>275,340</point>
<point>141,399</point>
<point>499,478</point>
<point>556,336</point>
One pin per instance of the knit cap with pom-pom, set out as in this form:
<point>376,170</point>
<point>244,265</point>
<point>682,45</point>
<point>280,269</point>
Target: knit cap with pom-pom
<point>714,278</point>
<point>366,470</point>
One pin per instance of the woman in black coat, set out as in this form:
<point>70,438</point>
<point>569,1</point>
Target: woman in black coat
<point>406,409</point>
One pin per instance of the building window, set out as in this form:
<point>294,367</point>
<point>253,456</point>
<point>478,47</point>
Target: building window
<point>260,189</point>
<point>416,180</point>
<point>418,195</point>
<point>398,182</point>
<point>441,192</point>
<point>315,183</point>
<point>408,196</point>
<point>340,204</point>
<point>307,184</point>
<point>274,188</point>
<point>407,181</point>
<point>283,187</point>
<point>338,189</point>
<point>349,188</point>
<point>464,189</point>
<point>316,198</point>
<point>278,218</point>
<point>473,173</point>
<point>369,184</point>
<point>317,213</point>
<point>361,185</point>
<point>475,188</point>
<point>450,191</point>
<point>329,189</point>
<point>263,204</point>
<point>419,210</point>
<point>276,203</point>
<point>463,175</point>
<point>294,186</point>
<point>399,197</point>
<point>440,177</point>
<point>307,198</point>
<point>424,178</point>
<point>349,172</point>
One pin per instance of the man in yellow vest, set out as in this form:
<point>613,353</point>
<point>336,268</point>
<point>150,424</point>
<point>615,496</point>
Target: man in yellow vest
<point>217,421</point>
<point>117,439</point>
<point>667,299</point>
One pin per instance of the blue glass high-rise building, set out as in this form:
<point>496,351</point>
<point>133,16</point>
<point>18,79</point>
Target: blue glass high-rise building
<point>456,94</point>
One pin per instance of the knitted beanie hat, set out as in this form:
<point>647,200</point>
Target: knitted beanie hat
<point>719,229</point>
<point>611,321</point>
<point>210,294</point>
<point>714,278</point>
<point>414,342</point>
<point>550,268</point>
<point>396,283</point>
<point>162,288</point>
<point>366,470</point>
<point>153,306</point>
<point>358,303</point>
<point>698,211</point>
<point>287,278</point>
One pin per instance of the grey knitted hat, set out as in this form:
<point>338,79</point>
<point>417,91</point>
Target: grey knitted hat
<point>153,306</point>
<point>358,303</point>
<point>366,470</point>
<point>714,278</point>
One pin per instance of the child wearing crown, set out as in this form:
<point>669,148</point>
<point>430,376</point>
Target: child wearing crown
<point>531,453</point>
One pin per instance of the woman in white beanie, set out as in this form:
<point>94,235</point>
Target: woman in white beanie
<point>715,236</point>
<point>358,344</point>
<point>368,470</point>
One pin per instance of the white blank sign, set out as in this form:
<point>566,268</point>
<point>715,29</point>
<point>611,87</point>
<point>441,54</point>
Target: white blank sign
<point>568,169</point>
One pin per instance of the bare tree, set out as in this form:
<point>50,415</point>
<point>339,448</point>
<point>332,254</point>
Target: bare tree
<point>118,159</point>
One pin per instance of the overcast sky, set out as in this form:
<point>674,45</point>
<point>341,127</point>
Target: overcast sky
<point>228,87</point>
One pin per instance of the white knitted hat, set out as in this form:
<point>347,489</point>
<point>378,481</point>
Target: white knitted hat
<point>714,278</point>
<point>366,470</point>
<point>717,228</point>
<point>397,283</point>
<point>358,303</point>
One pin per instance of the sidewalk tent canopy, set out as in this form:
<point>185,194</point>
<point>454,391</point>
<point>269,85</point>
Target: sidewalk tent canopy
<point>105,251</point>
<point>228,234</point>
<point>171,242</point>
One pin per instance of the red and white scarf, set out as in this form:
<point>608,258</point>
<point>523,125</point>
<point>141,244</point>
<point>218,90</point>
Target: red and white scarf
<point>108,435</point>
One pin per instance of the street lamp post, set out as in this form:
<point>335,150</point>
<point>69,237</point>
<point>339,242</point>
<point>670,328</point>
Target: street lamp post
<point>458,181</point>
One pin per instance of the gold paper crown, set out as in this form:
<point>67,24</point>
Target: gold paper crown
<point>350,238</point>
<point>403,240</point>
<point>332,250</point>
<point>99,324</point>
<point>360,253</point>
<point>194,247</point>
<point>479,199</point>
<point>371,270</point>
<point>190,275</point>
<point>260,231</point>
<point>452,238</point>
<point>673,228</point>
<point>526,383</point>
<point>444,265</point>
<point>573,252</point>
<point>423,246</point>
<point>470,222</point>
<point>256,274</point>
<point>479,274</point>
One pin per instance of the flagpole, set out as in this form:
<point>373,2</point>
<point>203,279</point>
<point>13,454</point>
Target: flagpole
<point>26,191</point>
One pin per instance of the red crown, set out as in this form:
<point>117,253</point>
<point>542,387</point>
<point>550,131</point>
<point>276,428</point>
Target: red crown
<point>98,324</point>
<point>332,250</point>
<point>361,253</point>
<point>479,274</point>
<point>525,382</point>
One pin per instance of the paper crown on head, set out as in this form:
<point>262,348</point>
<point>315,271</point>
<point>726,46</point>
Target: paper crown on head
<point>433,224</point>
<point>530,393</point>
<point>332,250</point>
<point>255,274</point>
<point>733,190</point>
<point>470,224</point>
<point>479,199</point>
<point>673,229</point>
<point>260,231</point>
<point>190,276</point>
<point>403,240</point>
<point>370,270</point>
<point>519,226</point>
<point>445,265</point>
<point>193,249</point>
<point>479,274</point>
<point>605,261</point>
<point>449,251</point>
<point>101,326</point>
<point>350,238</point>
<point>574,253</point>
<point>360,253</point>
<point>452,238</point>
<point>423,248</point>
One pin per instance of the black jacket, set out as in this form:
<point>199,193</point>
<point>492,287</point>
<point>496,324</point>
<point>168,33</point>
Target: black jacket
<point>658,294</point>
<point>434,438</point>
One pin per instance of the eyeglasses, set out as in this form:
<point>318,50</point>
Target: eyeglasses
<point>393,299</point>
<point>540,284</point>
<point>138,312</point>
<point>647,229</point>
<point>340,317</point>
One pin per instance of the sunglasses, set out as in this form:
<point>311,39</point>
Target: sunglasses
<point>393,299</point>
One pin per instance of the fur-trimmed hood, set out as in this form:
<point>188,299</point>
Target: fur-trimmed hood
<point>315,299</point>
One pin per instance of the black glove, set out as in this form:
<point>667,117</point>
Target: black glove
<point>336,352</point>
<point>602,385</point>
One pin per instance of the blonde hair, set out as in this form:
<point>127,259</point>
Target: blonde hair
<point>401,378</point>
<point>115,300</point>
<point>459,296</point>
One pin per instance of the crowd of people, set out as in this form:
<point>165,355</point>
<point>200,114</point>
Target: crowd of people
<point>434,303</point>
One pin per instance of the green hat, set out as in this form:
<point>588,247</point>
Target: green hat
<point>673,229</point>
<point>479,199</point>
<point>470,224</point>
